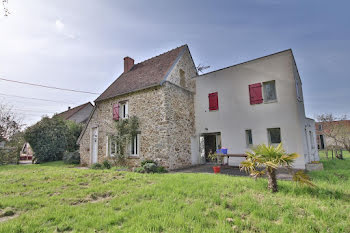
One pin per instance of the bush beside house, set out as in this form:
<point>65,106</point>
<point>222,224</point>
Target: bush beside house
<point>51,137</point>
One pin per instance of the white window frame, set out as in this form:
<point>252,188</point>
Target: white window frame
<point>269,136</point>
<point>110,145</point>
<point>124,110</point>
<point>264,92</point>
<point>135,151</point>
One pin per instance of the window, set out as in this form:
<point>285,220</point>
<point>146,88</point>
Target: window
<point>320,127</point>
<point>135,145</point>
<point>182,78</point>
<point>269,91</point>
<point>124,110</point>
<point>274,135</point>
<point>213,101</point>
<point>112,147</point>
<point>249,137</point>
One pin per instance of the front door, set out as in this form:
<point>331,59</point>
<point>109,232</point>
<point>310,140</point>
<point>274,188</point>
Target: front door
<point>94,147</point>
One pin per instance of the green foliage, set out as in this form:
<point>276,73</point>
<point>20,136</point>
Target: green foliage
<point>97,166</point>
<point>148,161</point>
<point>140,170</point>
<point>302,178</point>
<point>214,157</point>
<point>71,157</point>
<point>150,166</point>
<point>106,164</point>
<point>51,137</point>
<point>48,139</point>
<point>126,130</point>
<point>265,159</point>
<point>10,154</point>
<point>74,131</point>
<point>175,202</point>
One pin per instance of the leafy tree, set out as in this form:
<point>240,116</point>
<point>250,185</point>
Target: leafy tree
<point>48,139</point>
<point>266,159</point>
<point>74,130</point>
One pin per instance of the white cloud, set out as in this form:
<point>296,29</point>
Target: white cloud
<point>59,25</point>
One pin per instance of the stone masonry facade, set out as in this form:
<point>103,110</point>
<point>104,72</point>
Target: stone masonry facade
<point>166,120</point>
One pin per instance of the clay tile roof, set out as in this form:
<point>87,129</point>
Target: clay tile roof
<point>70,112</point>
<point>143,75</point>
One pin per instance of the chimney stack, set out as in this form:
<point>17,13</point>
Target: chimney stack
<point>128,63</point>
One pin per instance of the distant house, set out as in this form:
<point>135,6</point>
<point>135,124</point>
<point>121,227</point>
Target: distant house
<point>325,128</point>
<point>183,115</point>
<point>79,114</point>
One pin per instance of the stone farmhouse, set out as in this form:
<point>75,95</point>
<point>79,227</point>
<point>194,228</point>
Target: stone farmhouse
<point>183,115</point>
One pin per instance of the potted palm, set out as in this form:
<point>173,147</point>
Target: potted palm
<point>216,158</point>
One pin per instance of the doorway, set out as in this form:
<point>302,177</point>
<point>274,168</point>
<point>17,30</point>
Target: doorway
<point>212,142</point>
<point>94,146</point>
<point>322,141</point>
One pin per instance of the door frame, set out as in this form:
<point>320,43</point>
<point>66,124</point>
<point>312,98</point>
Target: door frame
<point>218,141</point>
<point>91,144</point>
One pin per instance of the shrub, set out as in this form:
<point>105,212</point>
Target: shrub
<point>148,161</point>
<point>48,139</point>
<point>139,170</point>
<point>150,167</point>
<point>71,157</point>
<point>74,130</point>
<point>97,166</point>
<point>106,164</point>
<point>161,169</point>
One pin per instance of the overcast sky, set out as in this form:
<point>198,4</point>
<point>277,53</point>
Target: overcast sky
<point>80,44</point>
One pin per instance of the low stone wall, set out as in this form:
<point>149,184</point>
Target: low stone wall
<point>314,166</point>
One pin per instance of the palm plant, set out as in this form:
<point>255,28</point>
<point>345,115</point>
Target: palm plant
<point>266,159</point>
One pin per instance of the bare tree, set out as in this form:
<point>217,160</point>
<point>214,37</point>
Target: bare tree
<point>6,9</point>
<point>336,131</point>
<point>10,123</point>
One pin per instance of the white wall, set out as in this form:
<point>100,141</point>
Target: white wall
<point>235,114</point>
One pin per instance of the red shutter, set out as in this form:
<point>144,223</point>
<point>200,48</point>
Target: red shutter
<point>116,112</point>
<point>213,101</point>
<point>255,93</point>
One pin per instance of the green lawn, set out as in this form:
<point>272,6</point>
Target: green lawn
<point>54,197</point>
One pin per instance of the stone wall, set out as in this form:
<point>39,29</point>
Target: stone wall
<point>186,64</point>
<point>179,105</point>
<point>148,106</point>
<point>166,120</point>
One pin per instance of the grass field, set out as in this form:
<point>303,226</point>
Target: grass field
<point>57,198</point>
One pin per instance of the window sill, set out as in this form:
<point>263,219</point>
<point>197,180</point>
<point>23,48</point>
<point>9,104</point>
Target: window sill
<point>133,157</point>
<point>270,101</point>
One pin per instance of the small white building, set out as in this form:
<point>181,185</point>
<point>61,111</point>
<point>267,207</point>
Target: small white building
<point>255,102</point>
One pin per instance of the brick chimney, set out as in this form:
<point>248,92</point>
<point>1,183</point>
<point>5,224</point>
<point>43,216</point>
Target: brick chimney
<point>128,63</point>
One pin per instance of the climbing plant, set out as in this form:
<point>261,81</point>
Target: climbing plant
<point>126,130</point>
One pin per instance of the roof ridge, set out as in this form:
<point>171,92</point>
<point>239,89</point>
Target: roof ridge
<point>248,61</point>
<point>78,108</point>
<point>161,54</point>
